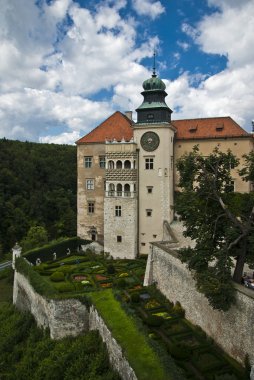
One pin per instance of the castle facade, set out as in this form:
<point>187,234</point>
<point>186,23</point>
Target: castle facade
<point>127,175</point>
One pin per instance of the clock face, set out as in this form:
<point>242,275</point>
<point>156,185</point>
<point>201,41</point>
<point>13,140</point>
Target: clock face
<point>150,141</point>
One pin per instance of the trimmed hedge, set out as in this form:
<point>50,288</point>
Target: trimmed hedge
<point>57,276</point>
<point>45,253</point>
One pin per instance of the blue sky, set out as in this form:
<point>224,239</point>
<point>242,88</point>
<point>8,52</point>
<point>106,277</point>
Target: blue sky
<point>66,65</point>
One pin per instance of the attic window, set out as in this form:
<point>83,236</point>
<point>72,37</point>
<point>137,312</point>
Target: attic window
<point>219,127</point>
<point>193,128</point>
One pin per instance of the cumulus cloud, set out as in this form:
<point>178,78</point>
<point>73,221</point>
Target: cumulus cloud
<point>230,92</point>
<point>55,56</point>
<point>149,8</point>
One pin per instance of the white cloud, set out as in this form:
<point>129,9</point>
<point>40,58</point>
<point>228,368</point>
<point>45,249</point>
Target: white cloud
<point>149,8</point>
<point>184,45</point>
<point>63,138</point>
<point>228,32</point>
<point>50,68</point>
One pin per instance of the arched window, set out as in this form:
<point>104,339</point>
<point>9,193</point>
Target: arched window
<point>111,191</point>
<point>119,189</point>
<point>127,164</point>
<point>119,164</point>
<point>127,189</point>
<point>111,164</point>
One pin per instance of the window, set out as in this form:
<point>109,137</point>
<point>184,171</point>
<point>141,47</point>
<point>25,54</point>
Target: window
<point>119,239</point>
<point>90,184</point>
<point>148,212</point>
<point>90,207</point>
<point>149,163</point>
<point>118,210</point>
<point>88,161</point>
<point>102,162</point>
<point>150,116</point>
<point>154,236</point>
<point>149,189</point>
<point>111,164</point>
<point>143,244</point>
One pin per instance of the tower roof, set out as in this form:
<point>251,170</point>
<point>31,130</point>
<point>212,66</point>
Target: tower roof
<point>116,126</point>
<point>154,84</point>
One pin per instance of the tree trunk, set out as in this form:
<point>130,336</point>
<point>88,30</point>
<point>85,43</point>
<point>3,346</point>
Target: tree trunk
<point>238,272</point>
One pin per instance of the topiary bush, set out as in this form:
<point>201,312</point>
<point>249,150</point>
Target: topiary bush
<point>111,269</point>
<point>121,283</point>
<point>65,287</point>
<point>57,276</point>
<point>154,321</point>
<point>135,298</point>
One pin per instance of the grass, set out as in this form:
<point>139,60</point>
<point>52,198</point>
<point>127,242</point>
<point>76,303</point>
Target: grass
<point>138,352</point>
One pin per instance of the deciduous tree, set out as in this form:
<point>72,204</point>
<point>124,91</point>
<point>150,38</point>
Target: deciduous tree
<point>221,222</point>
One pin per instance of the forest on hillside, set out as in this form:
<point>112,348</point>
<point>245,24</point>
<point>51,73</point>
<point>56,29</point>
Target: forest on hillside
<point>37,188</point>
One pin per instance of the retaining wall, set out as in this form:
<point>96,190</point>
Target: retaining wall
<point>232,330</point>
<point>68,318</point>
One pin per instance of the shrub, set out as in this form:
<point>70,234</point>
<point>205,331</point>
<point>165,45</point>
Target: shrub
<point>135,297</point>
<point>154,321</point>
<point>57,276</point>
<point>65,287</point>
<point>179,351</point>
<point>178,309</point>
<point>111,269</point>
<point>121,283</point>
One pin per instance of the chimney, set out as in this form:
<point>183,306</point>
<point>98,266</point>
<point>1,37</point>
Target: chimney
<point>128,114</point>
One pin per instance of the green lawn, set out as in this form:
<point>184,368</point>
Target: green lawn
<point>138,352</point>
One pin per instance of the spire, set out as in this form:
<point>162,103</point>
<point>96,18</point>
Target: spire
<point>154,69</point>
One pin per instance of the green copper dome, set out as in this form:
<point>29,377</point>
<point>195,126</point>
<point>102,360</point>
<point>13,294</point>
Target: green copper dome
<point>154,83</point>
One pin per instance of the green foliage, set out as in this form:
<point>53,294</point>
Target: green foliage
<point>153,321</point>
<point>111,269</point>
<point>121,283</point>
<point>57,276</point>
<point>220,222</point>
<point>180,351</point>
<point>36,237</point>
<point>178,309</point>
<point>60,247</point>
<point>38,282</point>
<point>135,297</point>
<point>28,353</point>
<point>37,187</point>
<point>65,287</point>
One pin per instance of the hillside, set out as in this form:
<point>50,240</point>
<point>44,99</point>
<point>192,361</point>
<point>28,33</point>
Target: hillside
<point>37,187</point>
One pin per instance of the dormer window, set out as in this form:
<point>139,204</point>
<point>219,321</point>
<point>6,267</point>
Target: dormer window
<point>193,129</point>
<point>219,127</point>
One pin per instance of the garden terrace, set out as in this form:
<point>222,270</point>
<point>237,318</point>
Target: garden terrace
<point>168,346</point>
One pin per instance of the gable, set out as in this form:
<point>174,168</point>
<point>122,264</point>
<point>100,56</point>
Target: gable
<point>117,126</point>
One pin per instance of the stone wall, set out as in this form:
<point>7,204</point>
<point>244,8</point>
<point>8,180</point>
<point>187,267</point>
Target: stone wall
<point>232,330</point>
<point>68,318</point>
<point>124,226</point>
<point>62,317</point>
<point>115,352</point>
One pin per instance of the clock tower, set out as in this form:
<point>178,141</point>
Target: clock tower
<point>154,136</point>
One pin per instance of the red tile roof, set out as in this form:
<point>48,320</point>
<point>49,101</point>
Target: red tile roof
<point>208,128</point>
<point>117,126</point>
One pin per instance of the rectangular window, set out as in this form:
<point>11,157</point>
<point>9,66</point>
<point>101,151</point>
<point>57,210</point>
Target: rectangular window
<point>88,161</point>
<point>90,207</point>
<point>148,212</point>
<point>149,189</point>
<point>143,244</point>
<point>118,210</point>
<point>230,186</point>
<point>149,163</point>
<point>119,239</point>
<point>102,162</point>
<point>90,184</point>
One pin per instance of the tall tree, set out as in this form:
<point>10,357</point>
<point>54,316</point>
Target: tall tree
<point>220,222</point>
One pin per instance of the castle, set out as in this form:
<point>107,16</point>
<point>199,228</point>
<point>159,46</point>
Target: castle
<point>127,175</point>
